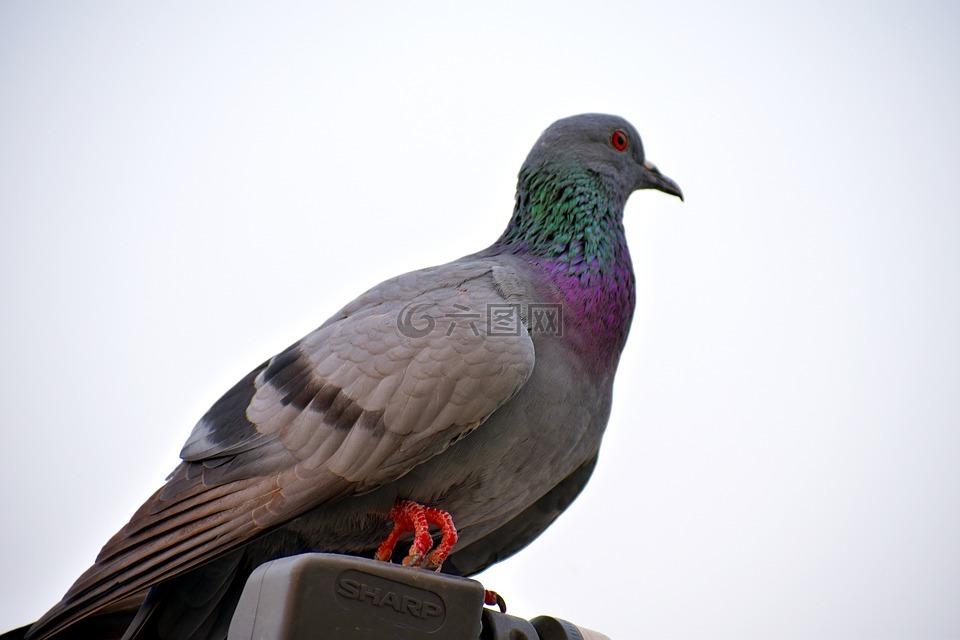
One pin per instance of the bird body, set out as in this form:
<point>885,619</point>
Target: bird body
<point>482,387</point>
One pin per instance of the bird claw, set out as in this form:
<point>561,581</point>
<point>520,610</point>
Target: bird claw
<point>491,598</point>
<point>412,517</point>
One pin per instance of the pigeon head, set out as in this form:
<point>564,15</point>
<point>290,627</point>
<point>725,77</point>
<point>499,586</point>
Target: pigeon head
<point>606,146</point>
<point>573,187</point>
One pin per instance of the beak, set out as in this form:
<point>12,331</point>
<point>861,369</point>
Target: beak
<point>653,179</point>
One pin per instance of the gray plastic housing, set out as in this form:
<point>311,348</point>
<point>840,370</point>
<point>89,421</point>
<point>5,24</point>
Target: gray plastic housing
<point>334,597</point>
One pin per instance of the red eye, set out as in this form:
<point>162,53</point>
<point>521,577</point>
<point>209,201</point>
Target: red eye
<point>619,140</point>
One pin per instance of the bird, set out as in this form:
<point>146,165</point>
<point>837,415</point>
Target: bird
<point>463,403</point>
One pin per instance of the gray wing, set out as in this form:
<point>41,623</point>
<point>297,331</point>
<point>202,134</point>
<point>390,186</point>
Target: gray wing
<point>354,405</point>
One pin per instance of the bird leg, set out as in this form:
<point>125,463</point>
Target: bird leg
<point>412,517</point>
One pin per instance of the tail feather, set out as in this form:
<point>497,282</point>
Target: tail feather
<point>209,529</point>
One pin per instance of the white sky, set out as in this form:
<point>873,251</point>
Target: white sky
<point>187,188</point>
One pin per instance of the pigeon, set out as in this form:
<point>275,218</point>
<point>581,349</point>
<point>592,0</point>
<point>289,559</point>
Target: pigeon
<point>458,409</point>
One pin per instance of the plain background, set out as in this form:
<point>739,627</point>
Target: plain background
<point>187,188</point>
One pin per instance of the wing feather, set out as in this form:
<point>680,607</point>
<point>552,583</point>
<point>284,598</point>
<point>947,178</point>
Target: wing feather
<point>354,405</point>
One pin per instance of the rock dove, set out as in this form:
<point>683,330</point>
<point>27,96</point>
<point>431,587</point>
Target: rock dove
<point>472,396</point>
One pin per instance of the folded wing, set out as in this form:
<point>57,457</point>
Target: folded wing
<point>395,378</point>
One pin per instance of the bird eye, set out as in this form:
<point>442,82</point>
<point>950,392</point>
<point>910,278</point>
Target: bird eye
<point>619,140</point>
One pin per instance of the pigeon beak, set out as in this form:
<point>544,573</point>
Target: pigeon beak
<point>653,179</point>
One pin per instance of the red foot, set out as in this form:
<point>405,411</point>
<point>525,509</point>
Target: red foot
<point>491,598</point>
<point>409,516</point>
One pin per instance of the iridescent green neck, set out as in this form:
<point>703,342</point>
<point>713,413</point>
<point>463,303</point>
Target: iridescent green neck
<point>568,224</point>
<point>566,214</point>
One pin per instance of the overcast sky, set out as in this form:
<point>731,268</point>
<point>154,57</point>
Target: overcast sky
<point>187,188</point>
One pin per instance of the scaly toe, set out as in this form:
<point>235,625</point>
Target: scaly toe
<point>491,598</point>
